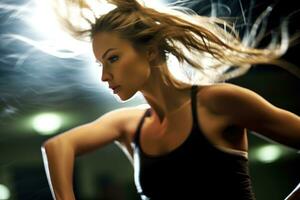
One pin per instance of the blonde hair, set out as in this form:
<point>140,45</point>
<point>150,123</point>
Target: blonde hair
<point>211,46</point>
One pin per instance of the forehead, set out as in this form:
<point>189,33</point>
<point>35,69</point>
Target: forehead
<point>103,41</point>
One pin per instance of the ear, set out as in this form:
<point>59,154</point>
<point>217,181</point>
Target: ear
<point>152,55</point>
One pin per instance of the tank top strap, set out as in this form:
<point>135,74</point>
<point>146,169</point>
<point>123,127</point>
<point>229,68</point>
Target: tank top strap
<point>138,130</point>
<point>194,104</point>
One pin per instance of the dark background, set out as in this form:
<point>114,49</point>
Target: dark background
<point>32,82</point>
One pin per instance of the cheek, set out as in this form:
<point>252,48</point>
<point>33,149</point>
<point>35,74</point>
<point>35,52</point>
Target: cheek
<point>135,70</point>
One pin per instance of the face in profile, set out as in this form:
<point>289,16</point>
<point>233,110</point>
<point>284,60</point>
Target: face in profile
<point>124,68</point>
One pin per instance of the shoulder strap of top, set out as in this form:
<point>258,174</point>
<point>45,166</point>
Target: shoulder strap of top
<point>148,111</point>
<point>194,104</point>
<point>138,130</point>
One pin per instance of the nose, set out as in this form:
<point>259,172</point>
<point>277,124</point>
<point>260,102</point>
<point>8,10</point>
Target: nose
<point>105,76</point>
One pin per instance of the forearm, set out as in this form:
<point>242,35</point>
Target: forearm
<point>58,160</point>
<point>295,194</point>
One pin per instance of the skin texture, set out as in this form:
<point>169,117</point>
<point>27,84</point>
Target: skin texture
<point>225,111</point>
<point>232,105</point>
<point>122,66</point>
<point>134,72</point>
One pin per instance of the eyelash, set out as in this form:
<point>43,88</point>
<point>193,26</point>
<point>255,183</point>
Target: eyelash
<point>111,59</point>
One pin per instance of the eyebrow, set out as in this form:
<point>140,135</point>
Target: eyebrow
<point>108,50</point>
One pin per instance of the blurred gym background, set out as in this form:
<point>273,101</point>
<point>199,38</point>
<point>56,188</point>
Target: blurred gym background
<point>42,95</point>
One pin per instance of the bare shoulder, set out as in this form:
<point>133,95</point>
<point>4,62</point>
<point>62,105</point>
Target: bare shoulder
<point>222,90</point>
<point>129,118</point>
<point>222,96</point>
<point>111,127</point>
<point>126,114</point>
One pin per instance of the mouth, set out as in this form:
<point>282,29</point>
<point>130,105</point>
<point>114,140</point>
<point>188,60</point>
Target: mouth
<point>116,89</point>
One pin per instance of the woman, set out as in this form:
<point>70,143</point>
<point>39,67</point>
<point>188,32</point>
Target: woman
<point>191,143</point>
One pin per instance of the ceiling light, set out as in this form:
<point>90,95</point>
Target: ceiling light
<point>4,192</point>
<point>268,153</point>
<point>47,123</point>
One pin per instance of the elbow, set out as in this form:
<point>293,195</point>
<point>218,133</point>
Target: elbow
<point>50,143</point>
<point>53,145</point>
<point>58,145</point>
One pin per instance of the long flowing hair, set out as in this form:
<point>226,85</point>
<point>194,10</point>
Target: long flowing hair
<point>209,48</point>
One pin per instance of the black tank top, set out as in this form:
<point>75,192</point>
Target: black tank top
<point>195,170</point>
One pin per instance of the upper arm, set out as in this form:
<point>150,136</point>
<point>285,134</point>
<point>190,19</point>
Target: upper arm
<point>108,128</point>
<point>244,108</point>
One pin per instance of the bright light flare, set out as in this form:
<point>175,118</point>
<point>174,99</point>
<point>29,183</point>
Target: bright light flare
<point>47,123</point>
<point>268,153</point>
<point>54,39</point>
<point>43,19</point>
<point>4,192</point>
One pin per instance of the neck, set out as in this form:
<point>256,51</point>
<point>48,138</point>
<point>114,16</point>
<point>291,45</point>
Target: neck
<point>164,99</point>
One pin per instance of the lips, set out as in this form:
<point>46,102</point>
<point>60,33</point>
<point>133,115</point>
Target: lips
<point>114,87</point>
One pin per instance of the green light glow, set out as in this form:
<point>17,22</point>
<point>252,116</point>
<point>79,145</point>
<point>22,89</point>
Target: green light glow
<point>4,192</point>
<point>47,123</point>
<point>268,153</point>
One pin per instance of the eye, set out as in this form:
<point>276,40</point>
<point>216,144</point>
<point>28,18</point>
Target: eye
<point>113,59</point>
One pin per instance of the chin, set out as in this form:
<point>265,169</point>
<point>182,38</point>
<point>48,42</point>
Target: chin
<point>124,97</point>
